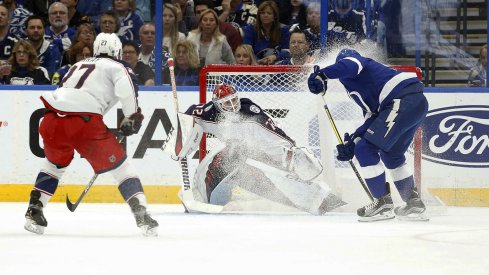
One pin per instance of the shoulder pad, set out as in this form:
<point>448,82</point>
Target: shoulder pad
<point>249,107</point>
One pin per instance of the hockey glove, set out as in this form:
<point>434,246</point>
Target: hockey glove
<point>131,125</point>
<point>346,151</point>
<point>317,82</point>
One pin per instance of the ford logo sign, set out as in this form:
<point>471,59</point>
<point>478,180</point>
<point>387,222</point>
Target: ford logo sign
<point>457,136</point>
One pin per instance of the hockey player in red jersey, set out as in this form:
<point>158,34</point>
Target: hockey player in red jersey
<point>258,158</point>
<point>74,121</point>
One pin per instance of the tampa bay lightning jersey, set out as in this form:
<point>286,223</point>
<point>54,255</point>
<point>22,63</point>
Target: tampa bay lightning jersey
<point>250,127</point>
<point>369,83</point>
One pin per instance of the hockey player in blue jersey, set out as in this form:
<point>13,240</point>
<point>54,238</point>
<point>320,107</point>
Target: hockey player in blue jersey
<point>394,106</point>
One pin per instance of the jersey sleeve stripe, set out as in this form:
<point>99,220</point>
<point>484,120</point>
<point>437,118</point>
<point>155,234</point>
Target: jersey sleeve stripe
<point>392,83</point>
<point>356,61</point>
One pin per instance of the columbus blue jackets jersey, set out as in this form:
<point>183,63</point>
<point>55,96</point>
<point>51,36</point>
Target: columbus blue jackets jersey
<point>250,127</point>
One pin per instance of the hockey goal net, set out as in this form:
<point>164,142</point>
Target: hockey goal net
<point>283,93</point>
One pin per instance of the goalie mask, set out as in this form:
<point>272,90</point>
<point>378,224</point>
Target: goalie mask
<point>226,99</point>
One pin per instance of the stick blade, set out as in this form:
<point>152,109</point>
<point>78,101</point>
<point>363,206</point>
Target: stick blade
<point>70,205</point>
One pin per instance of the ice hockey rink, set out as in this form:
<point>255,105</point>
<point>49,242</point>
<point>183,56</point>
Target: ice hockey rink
<point>103,239</point>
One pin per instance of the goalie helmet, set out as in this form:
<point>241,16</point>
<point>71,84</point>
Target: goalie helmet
<point>107,44</point>
<point>226,99</point>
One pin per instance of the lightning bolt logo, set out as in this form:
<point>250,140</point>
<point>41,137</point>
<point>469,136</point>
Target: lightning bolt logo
<point>390,121</point>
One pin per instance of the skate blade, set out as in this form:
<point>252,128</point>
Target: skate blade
<point>414,218</point>
<point>388,215</point>
<point>149,232</point>
<point>31,226</point>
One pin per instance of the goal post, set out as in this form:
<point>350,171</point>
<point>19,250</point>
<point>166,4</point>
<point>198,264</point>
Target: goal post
<point>283,93</point>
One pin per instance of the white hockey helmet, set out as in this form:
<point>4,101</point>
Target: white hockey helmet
<point>226,99</point>
<point>108,44</point>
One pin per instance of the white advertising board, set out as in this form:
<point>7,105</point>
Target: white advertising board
<point>455,142</point>
<point>21,153</point>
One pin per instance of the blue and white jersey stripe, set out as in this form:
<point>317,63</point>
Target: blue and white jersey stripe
<point>371,84</point>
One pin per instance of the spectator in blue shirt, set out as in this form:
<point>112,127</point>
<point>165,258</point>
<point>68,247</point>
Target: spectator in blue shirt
<point>93,8</point>
<point>268,38</point>
<point>17,17</point>
<point>187,64</point>
<point>58,29</point>
<point>129,21</point>
<point>47,52</point>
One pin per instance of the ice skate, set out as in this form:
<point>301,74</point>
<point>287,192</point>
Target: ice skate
<point>148,226</point>
<point>413,210</point>
<point>380,209</point>
<point>35,220</point>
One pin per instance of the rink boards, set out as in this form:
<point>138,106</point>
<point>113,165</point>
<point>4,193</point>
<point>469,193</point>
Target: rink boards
<point>455,147</point>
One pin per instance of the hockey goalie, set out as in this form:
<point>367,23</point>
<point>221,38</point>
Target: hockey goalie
<point>257,167</point>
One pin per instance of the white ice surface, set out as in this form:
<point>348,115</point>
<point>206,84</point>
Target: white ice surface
<point>103,239</point>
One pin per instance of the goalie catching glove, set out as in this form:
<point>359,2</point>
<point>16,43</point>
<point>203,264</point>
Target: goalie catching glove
<point>131,125</point>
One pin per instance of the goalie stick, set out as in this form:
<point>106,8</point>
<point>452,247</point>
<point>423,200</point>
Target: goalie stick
<point>340,140</point>
<point>187,196</point>
<point>72,206</point>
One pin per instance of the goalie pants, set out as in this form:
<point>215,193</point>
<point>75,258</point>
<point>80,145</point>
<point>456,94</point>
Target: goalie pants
<point>88,135</point>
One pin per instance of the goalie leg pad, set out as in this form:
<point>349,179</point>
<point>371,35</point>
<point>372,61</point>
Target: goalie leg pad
<point>305,164</point>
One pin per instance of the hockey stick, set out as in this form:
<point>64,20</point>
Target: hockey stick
<point>73,206</point>
<point>340,140</point>
<point>190,203</point>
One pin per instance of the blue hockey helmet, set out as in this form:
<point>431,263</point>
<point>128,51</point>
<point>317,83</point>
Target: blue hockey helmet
<point>346,53</point>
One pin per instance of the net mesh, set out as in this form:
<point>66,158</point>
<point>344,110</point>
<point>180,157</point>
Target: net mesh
<point>277,93</point>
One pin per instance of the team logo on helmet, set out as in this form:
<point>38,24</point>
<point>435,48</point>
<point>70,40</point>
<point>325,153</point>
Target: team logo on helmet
<point>255,109</point>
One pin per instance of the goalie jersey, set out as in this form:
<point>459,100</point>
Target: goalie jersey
<point>249,128</point>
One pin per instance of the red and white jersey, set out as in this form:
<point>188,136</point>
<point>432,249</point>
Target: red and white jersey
<point>94,86</point>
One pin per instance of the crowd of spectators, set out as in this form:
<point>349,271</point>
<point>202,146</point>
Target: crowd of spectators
<point>195,33</point>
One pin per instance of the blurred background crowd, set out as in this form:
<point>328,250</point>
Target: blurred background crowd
<point>41,39</point>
